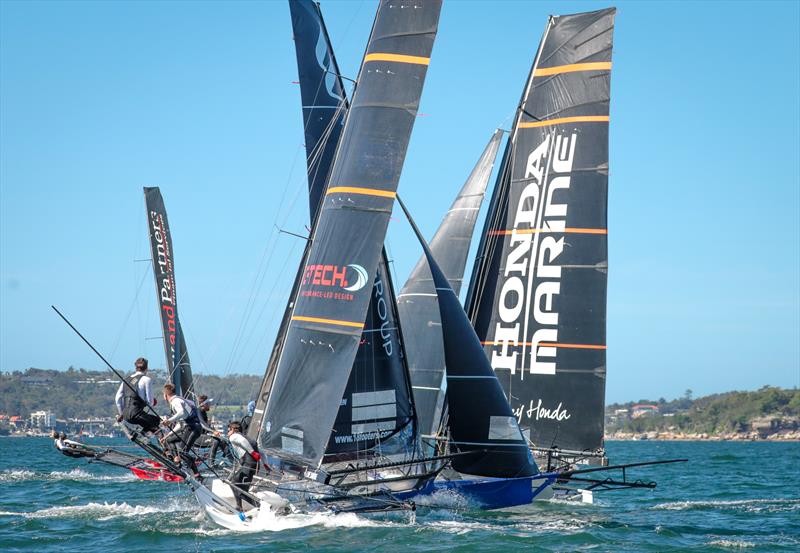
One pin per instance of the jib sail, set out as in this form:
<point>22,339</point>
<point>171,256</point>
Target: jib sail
<point>330,307</point>
<point>538,298</point>
<point>481,425</point>
<point>178,366</point>
<point>417,304</point>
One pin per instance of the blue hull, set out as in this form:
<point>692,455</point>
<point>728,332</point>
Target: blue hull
<point>487,493</point>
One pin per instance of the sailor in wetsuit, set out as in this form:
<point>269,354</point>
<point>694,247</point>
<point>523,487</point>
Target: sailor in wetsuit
<point>70,448</point>
<point>210,438</point>
<point>185,423</point>
<point>132,407</point>
<point>247,457</point>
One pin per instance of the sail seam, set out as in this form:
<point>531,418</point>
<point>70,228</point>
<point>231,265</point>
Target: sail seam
<point>562,120</point>
<point>399,58</point>
<point>572,68</point>
<point>327,321</point>
<point>362,190</point>
<point>550,345</point>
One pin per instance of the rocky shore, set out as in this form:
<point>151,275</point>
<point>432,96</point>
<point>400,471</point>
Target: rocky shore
<point>791,436</point>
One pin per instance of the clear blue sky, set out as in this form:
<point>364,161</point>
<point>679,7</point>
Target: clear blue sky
<point>98,99</point>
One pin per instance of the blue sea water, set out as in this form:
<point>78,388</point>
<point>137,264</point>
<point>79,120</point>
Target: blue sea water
<point>730,496</point>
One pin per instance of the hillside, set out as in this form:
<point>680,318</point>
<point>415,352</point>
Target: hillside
<point>78,393</point>
<point>761,413</point>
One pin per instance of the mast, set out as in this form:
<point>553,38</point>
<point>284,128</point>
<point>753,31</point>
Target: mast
<point>179,369</point>
<point>417,304</point>
<point>327,319</point>
<point>539,300</point>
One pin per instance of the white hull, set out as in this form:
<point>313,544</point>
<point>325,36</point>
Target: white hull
<point>217,501</point>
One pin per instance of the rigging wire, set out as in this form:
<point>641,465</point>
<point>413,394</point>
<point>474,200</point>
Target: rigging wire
<point>313,167</point>
<point>263,265</point>
<point>134,304</point>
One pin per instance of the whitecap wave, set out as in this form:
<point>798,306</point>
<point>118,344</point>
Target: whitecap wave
<point>269,521</point>
<point>21,475</point>
<point>732,544</point>
<point>101,511</point>
<point>745,505</point>
<point>17,475</point>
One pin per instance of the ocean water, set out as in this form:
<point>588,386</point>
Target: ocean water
<point>729,497</point>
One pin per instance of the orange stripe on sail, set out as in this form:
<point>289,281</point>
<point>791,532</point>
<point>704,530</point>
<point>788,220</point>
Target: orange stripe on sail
<point>327,321</point>
<point>547,345</point>
<point>563,120</point>
<point>572,68</point>
<point>399,58</point>
<point>568,230</point>
<point>364,191</point>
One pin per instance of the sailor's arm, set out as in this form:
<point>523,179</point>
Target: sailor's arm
<point>148,390</point>
<point>207,427</point>
<point>118,399</point>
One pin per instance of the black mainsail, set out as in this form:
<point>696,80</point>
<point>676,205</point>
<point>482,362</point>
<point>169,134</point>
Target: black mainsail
<point>327,319</point>
<point>417,303</point>
<point>178,367</point>
<point>482,428</point>
<point>377,401</point>
<point>538,294</point>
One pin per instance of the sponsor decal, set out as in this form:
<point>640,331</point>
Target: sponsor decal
<point>383,315</point>
<point>531,279</point>
<point>365,436</point>
<point>539,412</point>
<point>333,281</point>
<point>165,280</point>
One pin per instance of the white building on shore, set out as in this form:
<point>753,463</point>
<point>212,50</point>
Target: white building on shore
<point>43,419</point>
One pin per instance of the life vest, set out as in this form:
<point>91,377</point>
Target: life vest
<point>193,419</point>
<point>245,422</point>
<point>132,400</point>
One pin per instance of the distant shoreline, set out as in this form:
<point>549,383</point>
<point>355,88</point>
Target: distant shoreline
<point>789,437</point>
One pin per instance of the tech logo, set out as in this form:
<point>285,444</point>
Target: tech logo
<point>351,278</point>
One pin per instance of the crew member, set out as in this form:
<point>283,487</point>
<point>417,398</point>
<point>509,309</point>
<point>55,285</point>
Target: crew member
<point>70,448</point>
<point>210,436</point>
<point>245,451</point>
<point>132,406</point>
<point>251,408</point>
<point>185,423</point>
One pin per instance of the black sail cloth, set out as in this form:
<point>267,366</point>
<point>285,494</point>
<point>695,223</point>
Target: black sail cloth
<point>539,304</point>
<point>479,417</point>
<point>178,367</point>
<point>322,93</point>
<point>377,402</point>
<point>331,305</point>
<point>417,303</point>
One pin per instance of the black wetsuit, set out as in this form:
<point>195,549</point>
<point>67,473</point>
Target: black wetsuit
<point>210,440</point>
